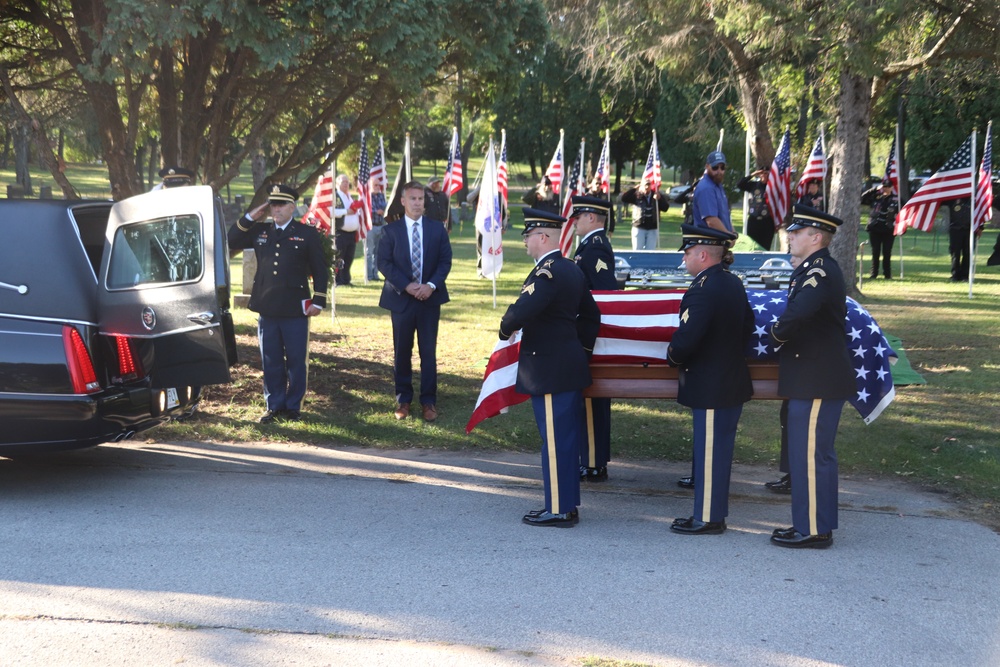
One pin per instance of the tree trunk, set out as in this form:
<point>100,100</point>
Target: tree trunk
<point>753,101</point>
<point>850,141</point>
<point>22,157</point>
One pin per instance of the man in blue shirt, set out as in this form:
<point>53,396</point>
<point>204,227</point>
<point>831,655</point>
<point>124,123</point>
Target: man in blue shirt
<point>710,204</point>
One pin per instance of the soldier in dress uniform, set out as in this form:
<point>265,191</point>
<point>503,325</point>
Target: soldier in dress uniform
<point>558,319</point>
<point>596,258</point>
<point>288,254</point>
<point>716,322</point>
<point>815,374</point>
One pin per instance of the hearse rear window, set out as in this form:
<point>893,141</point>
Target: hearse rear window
<point>165,250</point>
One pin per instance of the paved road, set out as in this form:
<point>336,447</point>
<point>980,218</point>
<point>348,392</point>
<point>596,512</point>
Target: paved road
<point>212,554</point>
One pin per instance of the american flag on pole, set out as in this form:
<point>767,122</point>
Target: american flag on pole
<point>952,181</point>
<point>815,167</point>
<point>636,327</point>
<point>555,170</point>
<point>652,171</point>
<point>364,191</point>
<point>576,186</point>
<point>892,168</point>
<point>502,168</point>
<point>983,212</point>
<point>453,178</point>
<point>320,212</point>
<point>377,170</point>
<point>779,181</point>
<point>602,175</point>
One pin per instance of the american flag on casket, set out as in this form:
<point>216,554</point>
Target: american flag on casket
<point>636,327</point>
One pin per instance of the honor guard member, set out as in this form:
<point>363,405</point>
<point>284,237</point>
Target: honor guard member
<point>708,347</point>
<point>815,375</point>
<point>558,319</point>
<point>174,177</point>
<point>288,254</point>
<point>596,259</point>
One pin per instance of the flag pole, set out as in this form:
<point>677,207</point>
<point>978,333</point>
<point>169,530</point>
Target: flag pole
<point>333,233</point>
<point>722,133</point>
<point>493,230</point>
<point>972,215</point>
<point>899,175</point>
<point>746,170</point>
<point>364,239</point>
<point>826,170</point>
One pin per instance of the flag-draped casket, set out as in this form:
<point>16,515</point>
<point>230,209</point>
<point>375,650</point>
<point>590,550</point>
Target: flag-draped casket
<point>636,327</point>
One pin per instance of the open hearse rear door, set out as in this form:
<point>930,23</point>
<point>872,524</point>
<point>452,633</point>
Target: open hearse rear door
<point>164,287</point>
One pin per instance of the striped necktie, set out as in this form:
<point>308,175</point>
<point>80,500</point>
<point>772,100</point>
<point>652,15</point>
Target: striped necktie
<point>416,253</point>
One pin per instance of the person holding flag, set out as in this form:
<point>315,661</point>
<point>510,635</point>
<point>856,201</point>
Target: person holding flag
<point>543,197</point>
<point>647,204</point>
<point>347,221</point>
<point>596,258</point>
<point>559,321</point>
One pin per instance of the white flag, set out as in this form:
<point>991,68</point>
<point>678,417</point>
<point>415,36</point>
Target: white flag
<point>488,219</point>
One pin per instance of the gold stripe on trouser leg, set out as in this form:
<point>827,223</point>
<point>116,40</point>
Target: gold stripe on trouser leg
<point>550,451</point>
<point>811,463</point>
<point>706,504</point>
<point>591,435</point>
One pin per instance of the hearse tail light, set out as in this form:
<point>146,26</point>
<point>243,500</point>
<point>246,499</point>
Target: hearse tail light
<point>81,367</point>
<point>129,367</point>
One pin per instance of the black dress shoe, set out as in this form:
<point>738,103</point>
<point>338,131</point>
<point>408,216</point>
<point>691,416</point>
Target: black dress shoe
<point>292,415</point>
<point>796,540</point>
<point>693,526</point>
<point>783,485</point>
<point>270,417</point>
<point>594,474</point>
<point>542,511</point>
<point>564,520</point>
<point>686,482</point>
<point>783,532</point>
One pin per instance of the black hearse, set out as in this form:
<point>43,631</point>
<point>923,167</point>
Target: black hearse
<point>112,315</point>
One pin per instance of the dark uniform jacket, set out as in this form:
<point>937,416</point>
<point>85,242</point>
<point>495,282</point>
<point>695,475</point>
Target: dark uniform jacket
<point>596,259</point>
<point>813,361</point>
<point>285,262</point>
<point>709,346</point>
<point>646,208</point>
<point>884,209</point>
<point>559,321</point>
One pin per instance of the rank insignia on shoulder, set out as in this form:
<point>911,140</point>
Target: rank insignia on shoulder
<point>529,288</point>
<point>543,272</point>
<point>812,281</point>
<point>601,265</point>
<point>685,316</point>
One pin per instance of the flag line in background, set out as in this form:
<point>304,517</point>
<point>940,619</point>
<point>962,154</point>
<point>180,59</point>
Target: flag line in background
<point>983,211</point>
<point>555,169</point>
<point>652,171</point>
<point>453,175</point>
<point>815,167</point>
<point>952,181</point>
<point>636,327</point>
<point>576,187</point>
<point>777,193</point>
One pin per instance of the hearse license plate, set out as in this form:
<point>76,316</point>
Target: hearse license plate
<point>172,400</point>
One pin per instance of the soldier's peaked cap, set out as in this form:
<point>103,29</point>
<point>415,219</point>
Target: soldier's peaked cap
<point>176,172</point>
<point>282,194</point>
<point>535,219</point>
<point>588,204</point>
<point>807,216</point>
<point>695,235</point>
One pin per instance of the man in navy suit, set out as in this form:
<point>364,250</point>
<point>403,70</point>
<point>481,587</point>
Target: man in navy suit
<point>414,256</point>
<point>559,321</point>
